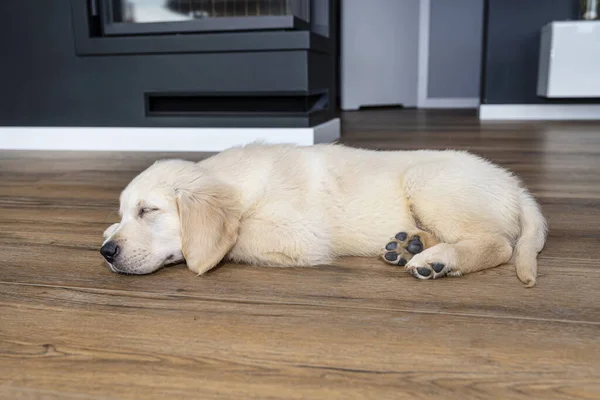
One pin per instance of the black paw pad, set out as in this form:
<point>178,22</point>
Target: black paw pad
<point>415,246</point>
<point>391,256</point>
<point>401,236</point>
<point>438,267</point>
<point>391,246</point>
<point>402,262</point>
<point>424,271</point>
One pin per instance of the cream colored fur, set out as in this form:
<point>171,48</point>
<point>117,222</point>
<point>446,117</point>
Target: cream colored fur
<point>283,205</point>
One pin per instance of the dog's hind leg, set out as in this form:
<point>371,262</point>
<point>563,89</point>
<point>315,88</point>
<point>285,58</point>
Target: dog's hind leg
<point>463,257</point>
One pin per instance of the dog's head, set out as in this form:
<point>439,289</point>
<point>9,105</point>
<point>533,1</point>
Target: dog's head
<point>172,212</point>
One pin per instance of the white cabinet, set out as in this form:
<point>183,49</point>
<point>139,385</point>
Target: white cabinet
<point>569,64</point>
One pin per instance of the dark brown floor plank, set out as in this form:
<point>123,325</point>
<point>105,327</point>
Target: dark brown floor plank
<point>567,289</point>
<point>123,344</point>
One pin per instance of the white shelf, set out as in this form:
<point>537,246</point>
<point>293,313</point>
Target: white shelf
<point>569,64</point>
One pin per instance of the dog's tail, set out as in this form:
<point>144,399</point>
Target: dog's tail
<point>531,241</point>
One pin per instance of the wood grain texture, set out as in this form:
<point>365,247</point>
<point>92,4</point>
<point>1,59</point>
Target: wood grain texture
<point>259,349</point>
<point>71,329</point>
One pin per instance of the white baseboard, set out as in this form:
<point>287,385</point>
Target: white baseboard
<point>450,102</point>
<point>159,139</point>
<point>539,112</point>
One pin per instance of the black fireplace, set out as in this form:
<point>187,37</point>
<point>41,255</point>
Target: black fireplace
<point>218,63</point>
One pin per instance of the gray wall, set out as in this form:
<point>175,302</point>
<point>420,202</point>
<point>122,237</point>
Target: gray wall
<point>512,56</point>
<point>379,53</point>
<point>455,40</point>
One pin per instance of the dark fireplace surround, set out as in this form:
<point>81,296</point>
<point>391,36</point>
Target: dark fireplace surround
<point>81,63</point>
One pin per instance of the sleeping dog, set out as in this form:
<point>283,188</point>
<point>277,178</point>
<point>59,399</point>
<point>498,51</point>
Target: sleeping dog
<point>436,213</point>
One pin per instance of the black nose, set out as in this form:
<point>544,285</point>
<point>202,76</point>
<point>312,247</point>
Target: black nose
<point>109,251</point>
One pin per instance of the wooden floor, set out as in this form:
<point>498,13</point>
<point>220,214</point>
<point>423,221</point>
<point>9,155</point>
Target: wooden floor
<point>71,329</point>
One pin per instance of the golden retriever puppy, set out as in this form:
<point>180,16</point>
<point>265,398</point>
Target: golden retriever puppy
<point>437,213</point>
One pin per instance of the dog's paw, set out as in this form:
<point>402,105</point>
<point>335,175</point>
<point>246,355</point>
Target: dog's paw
<point>432,270</point>
<point>434,263</point>
<point>401,248</point>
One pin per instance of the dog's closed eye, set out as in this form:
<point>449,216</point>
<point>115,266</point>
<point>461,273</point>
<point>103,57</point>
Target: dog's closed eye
<point>146,210</point>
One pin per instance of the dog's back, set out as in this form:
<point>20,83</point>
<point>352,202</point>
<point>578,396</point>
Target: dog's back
<point>331,200</point>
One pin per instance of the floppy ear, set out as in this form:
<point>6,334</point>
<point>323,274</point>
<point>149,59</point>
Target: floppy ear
<point>209,219</point>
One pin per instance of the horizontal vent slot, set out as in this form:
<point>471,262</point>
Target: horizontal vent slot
<point>191,104</point>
